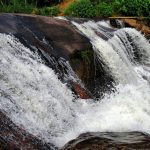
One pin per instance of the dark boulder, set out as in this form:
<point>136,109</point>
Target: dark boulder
<point>110,141</point>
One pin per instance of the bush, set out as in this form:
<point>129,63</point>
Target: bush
<point>16,9</point>
<point>47,11</point>
<point>104,9</point>
<point>22,7</point>
<point>81,8</point>
<point>16,6</point>
<point>132,7</point>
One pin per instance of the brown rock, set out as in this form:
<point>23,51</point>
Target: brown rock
<point>80,91</point>
<point>62,37</point>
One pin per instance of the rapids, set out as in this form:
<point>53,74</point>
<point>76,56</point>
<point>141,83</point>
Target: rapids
<point>34,98</point>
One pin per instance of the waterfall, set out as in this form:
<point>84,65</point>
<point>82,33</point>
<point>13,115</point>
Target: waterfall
<point>34,98</point>
<point>117,52</point>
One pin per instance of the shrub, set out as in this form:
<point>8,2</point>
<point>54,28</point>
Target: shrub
<point>47,11</point>
<point>104,9</point>
<point>81,8</point>
<point>132,8</point>
<point>16,6</point>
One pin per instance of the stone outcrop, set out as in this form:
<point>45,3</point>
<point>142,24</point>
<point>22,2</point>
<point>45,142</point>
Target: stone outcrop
<point>91,72</point>
<point>110,141</point>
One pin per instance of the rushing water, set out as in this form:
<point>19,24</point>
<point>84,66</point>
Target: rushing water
<point>34,98</point>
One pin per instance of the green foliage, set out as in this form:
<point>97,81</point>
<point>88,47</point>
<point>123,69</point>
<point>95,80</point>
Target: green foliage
<point>47,11</point>
<point>16,6</point>
<point>104,9</point>
<point>81,8</point>
<point>132,8</point>
<point>23,6</point>
<point>87,8</point>
<point>87,55</point>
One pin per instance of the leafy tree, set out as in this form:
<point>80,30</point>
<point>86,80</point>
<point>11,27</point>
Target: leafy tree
<point>104,9</point>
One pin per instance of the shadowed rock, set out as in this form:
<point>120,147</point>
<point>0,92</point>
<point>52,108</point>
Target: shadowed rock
<point>110,141</point>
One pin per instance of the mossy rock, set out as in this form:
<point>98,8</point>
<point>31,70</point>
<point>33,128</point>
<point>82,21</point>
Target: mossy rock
<point>82,62</point>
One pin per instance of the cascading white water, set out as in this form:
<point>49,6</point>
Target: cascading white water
<point>126,42</point>
<point>31,93</point>
<point>105,51</point>
<point>33,96</point>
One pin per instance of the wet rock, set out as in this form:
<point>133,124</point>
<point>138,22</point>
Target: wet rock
<point>116,23</point>
<point>13,137</point>
<point>63,39</point>
<point>60,34</point>
<point>110,141</point>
